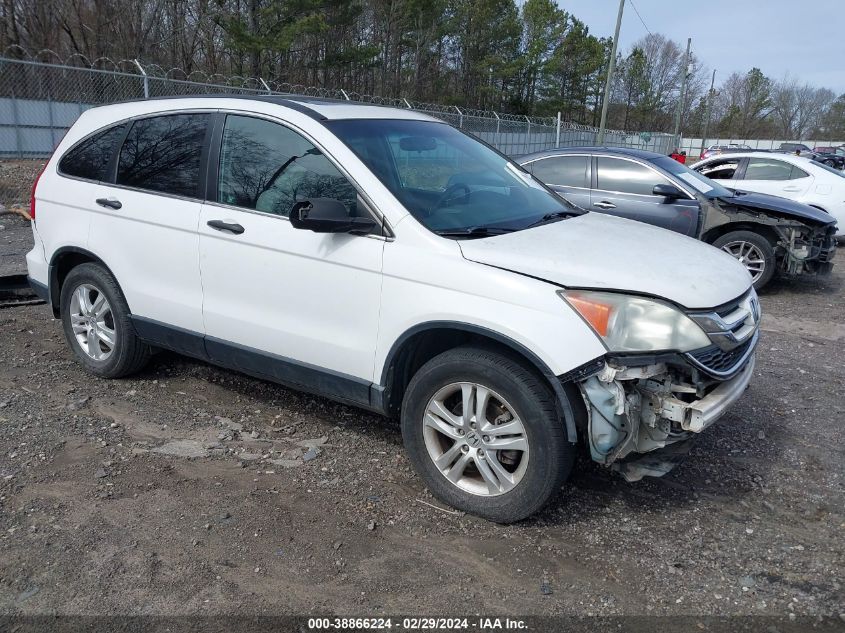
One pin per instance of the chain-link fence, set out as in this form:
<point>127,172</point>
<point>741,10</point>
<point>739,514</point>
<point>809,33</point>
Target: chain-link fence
<point>39,101</point>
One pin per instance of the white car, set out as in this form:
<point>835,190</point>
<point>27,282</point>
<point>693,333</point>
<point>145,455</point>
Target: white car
<point>387,260</point>
<point>785,175</point>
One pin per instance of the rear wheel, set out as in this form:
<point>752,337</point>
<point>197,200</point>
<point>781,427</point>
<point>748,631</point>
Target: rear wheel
<point>753,251</point>
<point>483,432</point>
<point>95,319</point>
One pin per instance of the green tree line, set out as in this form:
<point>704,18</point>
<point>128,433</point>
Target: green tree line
<point>532,57</point>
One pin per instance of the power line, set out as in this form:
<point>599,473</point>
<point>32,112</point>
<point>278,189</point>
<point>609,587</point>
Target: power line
<point>640,17</point>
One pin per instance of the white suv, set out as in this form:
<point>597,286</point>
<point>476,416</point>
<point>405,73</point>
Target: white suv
<point>385,259</point>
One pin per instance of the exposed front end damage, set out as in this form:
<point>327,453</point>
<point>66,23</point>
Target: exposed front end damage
<point>635,411</point>
<point>644,411</point>
<point>806,250</point>
<point>802,245</point>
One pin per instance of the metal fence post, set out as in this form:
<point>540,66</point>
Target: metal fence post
<point>345,96</point>
<point>17,123</point>
<point>461,120</point>
<point>498,122</point>
<point>146,79</point>
<point>528,134</point>
<point>557,132</point>
<point>266,87</point>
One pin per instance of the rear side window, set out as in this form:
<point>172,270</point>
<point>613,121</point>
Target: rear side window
<point>90,158</point>
<point>567,171</point>
<point>626,176</point>
<point>164,153</point>
<point>768,169</point>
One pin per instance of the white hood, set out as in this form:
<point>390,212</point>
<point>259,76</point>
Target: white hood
<point>604,252</point>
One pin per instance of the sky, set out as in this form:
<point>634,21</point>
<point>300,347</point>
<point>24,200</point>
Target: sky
<point>805,38</point>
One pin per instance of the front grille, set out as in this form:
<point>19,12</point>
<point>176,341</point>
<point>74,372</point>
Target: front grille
<point>731,325</point>
<point>720,363</point>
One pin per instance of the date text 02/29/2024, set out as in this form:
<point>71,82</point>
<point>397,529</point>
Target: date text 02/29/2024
<point>417,624</point>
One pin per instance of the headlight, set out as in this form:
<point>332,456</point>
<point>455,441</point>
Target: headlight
<point>634,324</point>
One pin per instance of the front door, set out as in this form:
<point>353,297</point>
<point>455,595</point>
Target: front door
<point>624,187</point>
<point>296,306</point>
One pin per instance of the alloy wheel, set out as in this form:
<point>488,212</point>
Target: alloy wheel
<point>475,439</point>
<point>92,322</point>
<point>749,256</point>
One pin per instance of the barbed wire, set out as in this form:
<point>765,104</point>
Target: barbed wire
<point>157,73</point>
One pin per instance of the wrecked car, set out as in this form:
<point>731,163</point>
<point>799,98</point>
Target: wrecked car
<point>385,259</point>
<point>767,234</point>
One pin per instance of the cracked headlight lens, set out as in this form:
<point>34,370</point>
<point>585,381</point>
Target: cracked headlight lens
<point>628,323</point>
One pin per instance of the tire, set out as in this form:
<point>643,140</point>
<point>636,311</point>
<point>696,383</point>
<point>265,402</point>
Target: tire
<point>84,289</point>
<point>518,396</point>
<point>760,249</point>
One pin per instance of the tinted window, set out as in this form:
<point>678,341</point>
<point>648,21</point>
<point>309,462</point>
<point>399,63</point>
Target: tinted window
<point>268,167</point>
<point>627,177</point>
<point>90,158</point>
<point>163,154</point>
<point>769,169</point>
<point>569,171</point>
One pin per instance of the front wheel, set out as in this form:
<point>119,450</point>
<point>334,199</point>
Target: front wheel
<point>483,432</point>
<point>753,251</point>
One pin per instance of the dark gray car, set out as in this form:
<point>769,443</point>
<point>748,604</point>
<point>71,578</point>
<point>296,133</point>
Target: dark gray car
<point>766,233</point>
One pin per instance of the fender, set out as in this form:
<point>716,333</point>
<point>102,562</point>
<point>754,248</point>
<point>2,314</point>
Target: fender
<point>555,383</point>
<point>53,287</point>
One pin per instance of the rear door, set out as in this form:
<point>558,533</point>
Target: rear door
<point>623,187</point>
<point>569,175</point>
<point>776,177</point>
<point>146,229</point>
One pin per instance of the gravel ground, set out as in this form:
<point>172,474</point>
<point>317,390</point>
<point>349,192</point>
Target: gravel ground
<point>195,490</point>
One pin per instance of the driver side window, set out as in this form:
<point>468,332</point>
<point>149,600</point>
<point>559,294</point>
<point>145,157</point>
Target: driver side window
<point>267,167</point>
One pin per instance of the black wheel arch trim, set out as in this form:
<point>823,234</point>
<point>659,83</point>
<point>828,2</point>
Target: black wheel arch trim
<point>554,381</point>
<point>53,287</point>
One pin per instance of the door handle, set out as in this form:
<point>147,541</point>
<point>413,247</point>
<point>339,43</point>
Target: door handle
<point>111,203</point>
<point>792,188</point>
<point>604,204</point>
<point>228,227</point>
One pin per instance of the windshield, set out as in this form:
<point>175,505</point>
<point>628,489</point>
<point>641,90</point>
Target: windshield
<point>701,184</point>
<point>449,181</point>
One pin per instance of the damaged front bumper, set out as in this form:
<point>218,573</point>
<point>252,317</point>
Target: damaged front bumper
<point>640,420</point>
<point>805,250</point>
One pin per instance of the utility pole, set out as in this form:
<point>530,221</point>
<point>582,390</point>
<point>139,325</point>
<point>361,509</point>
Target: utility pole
<point>683,94</point>
<point>610,68</point>
<point>707,113</point>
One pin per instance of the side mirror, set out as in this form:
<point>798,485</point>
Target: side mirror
<point>668,191</point>
<point>327,215</point>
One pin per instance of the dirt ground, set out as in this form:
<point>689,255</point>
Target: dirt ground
<point>194,490</point>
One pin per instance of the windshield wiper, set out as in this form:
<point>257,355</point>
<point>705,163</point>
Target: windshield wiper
<point>550,217</point>
<point>474,231</point>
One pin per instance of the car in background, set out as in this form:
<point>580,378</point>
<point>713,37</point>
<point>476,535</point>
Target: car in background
<point>800,149</point>
<point>831,156</point>
<point>794,148</point>
<point>795,177</point>
<point>765,233</point>
<point>713,150</point>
